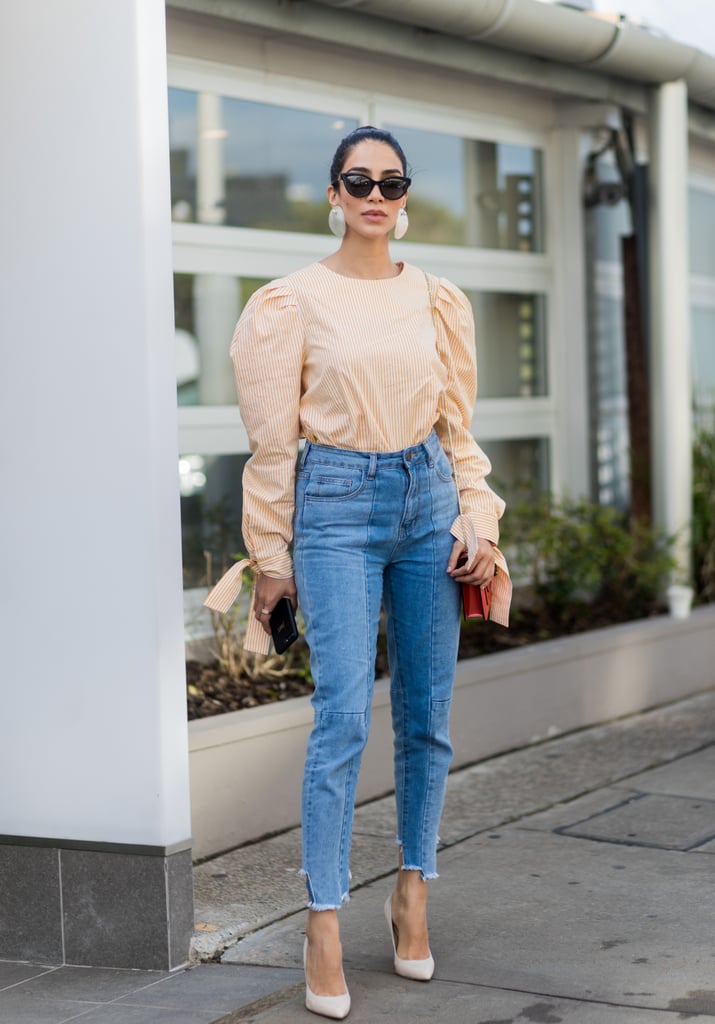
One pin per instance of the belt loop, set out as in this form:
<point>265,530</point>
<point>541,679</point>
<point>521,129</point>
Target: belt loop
<point>304,454</point>
<point>372,469</point>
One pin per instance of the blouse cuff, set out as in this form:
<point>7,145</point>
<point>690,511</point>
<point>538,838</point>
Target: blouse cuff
<point>222,596</point>
<point>278,567</point>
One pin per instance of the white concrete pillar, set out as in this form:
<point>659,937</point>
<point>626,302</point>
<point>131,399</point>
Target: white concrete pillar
<point>95,861</point>
<point>670,372</point>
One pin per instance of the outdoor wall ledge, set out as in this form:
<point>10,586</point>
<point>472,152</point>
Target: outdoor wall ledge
<point>246,766</point>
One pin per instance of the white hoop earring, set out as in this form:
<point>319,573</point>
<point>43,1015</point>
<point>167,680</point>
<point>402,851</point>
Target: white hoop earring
<point>402,223</point>
<point>336,221</point>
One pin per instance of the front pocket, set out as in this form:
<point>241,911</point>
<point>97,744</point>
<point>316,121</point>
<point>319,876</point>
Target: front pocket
<point>333,483</point>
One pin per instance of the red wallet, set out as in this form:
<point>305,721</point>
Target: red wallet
<point>475,600</point>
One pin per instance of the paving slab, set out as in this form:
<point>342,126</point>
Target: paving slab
<point>90,984</point>
<point>18,1007</point>
<point>689,776</point>
<point>646,819</point>
<point>567,812</point>
<point>213,987</point>
<point>16,973</point>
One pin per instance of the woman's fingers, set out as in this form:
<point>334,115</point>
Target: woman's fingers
<point>268,592</point>
<point>456,552</point>
<point>482,569</point>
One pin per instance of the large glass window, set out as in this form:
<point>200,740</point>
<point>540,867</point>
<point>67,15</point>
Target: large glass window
<point>702,312</point>
<point>206,308</point>
<point>703,335</point>
<point>473,192</point>
<point>511,344</point>
<point>247,164</point>
<point>520,467</point>
<point>611,456</point>
<point>702,231</point>
<point>606,225</point>
<point>211,506</point>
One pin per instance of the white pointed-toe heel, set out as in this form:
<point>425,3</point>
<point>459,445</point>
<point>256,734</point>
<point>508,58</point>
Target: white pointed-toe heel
<point>336,1007</point>
<point>417,970</point>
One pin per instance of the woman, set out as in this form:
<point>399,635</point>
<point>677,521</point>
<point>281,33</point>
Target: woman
<point>373,363</point>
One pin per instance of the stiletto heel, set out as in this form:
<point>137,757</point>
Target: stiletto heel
<point>416,970</point>
<point>336,1007</point>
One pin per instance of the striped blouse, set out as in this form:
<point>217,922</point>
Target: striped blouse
<point>361,364</point>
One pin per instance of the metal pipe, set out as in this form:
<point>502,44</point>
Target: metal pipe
<point>559,34</point>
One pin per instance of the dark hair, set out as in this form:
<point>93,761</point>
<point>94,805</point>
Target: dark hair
<point>355,138</point>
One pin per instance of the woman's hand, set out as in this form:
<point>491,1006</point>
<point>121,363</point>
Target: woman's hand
<point>481,571</point>
<point>268,592</point>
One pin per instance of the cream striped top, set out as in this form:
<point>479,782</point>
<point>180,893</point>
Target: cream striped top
<point>356,364</point>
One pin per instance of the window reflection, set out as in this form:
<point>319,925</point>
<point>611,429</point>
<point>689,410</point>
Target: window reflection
<point>472,192</point>
<point>247,164</point>
<point>701,206</point>
<point>702,263</point>
<point>511,344</point>
<point>206,308</point>
<point>612,441</point>
<point>703,347</point>
<point>520,467</point>
<point>211,506</point>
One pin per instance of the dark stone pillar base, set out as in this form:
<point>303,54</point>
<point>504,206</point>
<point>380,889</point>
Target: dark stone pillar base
<point>95,904</point>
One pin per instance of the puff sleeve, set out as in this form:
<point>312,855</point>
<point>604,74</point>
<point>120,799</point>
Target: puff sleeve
<point>480,507</point>
<point>267,356</point>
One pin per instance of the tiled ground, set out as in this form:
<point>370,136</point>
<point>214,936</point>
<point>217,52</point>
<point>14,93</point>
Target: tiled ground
<point>36,994</point>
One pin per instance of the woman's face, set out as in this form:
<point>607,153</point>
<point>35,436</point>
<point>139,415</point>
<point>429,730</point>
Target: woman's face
<point>374,215</point>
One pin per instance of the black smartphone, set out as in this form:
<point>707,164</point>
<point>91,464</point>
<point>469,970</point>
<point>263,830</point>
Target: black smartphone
<point>284,628</point>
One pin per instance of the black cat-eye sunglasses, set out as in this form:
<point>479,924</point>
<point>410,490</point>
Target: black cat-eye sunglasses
<point>359,185</point>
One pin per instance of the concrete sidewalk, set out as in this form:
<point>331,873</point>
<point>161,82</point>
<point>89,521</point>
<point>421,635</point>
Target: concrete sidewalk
<point>577,884</point>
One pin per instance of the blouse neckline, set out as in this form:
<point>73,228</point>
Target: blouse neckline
<point>373,280</point>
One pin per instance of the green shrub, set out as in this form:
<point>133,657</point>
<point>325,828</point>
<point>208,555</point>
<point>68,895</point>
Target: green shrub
<point>583,565</point>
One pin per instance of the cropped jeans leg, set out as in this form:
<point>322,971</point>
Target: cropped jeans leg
<point>423,606</point>
<point>339,590</point>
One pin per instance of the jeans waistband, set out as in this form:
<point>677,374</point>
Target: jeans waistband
<point>425,451</point>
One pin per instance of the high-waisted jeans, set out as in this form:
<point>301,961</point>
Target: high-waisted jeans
<point>373,528</point>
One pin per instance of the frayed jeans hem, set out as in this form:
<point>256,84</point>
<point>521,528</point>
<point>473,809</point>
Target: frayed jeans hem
<point>426,875</point>
<point>313,904</point>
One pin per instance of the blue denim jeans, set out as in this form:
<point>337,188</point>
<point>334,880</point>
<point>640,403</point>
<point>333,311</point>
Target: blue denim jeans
<point>373,528</point>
